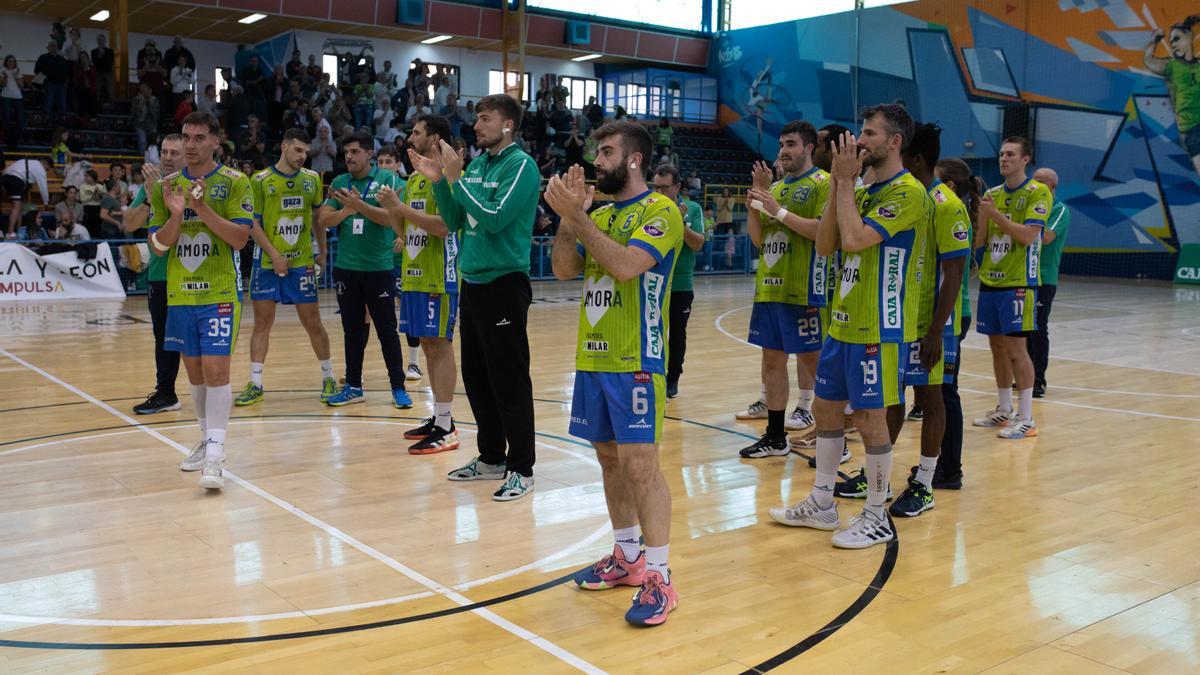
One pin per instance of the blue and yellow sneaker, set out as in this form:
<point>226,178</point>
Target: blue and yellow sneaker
<point>401,399</point>
<point>914,501</point>
<point>346,396</point>
<point>251,394</point>
<point>653,602</point>
<point>328,389</point>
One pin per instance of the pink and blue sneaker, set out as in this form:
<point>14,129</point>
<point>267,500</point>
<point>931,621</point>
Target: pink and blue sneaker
<point>653,602</point>
<point>612,571</point>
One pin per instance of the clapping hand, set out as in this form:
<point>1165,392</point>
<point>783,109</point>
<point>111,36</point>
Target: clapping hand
<point>569,194</point>
<point>452,161</point>
<point>846,162</point>
<point>761,175</point>
<point>430,167</point>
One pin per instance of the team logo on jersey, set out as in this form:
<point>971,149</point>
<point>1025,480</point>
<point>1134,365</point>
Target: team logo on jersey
<point>960,230</point>
<point>774,247</point>
<point>271,189</point>
<point>289,229</point>
<point>889,211</point>
<point>192,251</point>
<point>1039,209</point>
<point>291,184</point>
<point>999,246</point>
<point>218,191</point>
<point>599,293</point>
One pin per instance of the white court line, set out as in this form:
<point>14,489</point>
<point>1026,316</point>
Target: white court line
<point>1098,391</point>
<point>452,595</point>
<point>1096,363</point>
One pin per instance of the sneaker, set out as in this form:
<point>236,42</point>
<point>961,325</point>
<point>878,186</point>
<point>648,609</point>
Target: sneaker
<point>941,482</point>
<point>195,458</point>
<point>915,500</point>
<point>806,514</point>
<point>612,571</point>
<point>413,373</point>
<point>855,487</point>
<point>1039,391</point>
<point>754,411</point>
<point>156,403</point>
<point>211,474</point>
<point>1019,429</point>
<point>440,440</point>
<point>812,461</point>
<point>672,389</point>
<point>328,389</point>
<point>653,602</point>
<point>799,419</point>
<point>804,441</point>
<point>426,428</point>
<point>251,394</point>
<point>995,418</point>
<point>477,470</point>
<point>346,396</point>
<point>915,414</point>
<point>401,399</point>
<point>766,447</point>
<point>866,530</point>
<point>515,486</point>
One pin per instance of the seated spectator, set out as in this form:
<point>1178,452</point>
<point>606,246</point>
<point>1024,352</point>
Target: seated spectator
<point>339,114</point>
<point>151,156</point>
<point>60,153</point>
<point>145,108</point>
<point>91,193</point>
<point>318,121</point>
<point>395,134</point>
<point>70,209</point>
<point>301,117</point>
<point>112,205</point>
<point>419,107</point>
<point>136,181</point>
<point>694,188</point>
<point>544,227</point>
<point>668,156</point>
<point>187,105</point>
<point>208,101</point>
<point>116,172</point>
<point>547,162</point>
<point>364,101</point>
<point>69,229</point>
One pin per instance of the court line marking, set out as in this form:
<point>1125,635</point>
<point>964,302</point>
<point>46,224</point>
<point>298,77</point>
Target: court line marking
<point>450,594</point>
<point>1097,391</point>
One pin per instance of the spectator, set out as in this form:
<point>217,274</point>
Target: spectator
<point>84,80</point>
<point>241,58</point>
<point>590,149</point>
<point>208,101</point>
<point>254,83</point>
<point>145,109</point>
<point>364,101</point>
<point>277,90</point>
<point>18,177</point>
<point>318,121</point>
<point>593,113</point>
<point>227,147</point>
<point>11,96</point>
<point>575,143</point>
<point>252,145</point>
<point>60,154</point>
<point>181,78</point>
<point>295,67</point>
<point>54,72</point>
<point>669,157</point>
<point>665,135</point>
<point>339,114</point>
<point>187,106</point>
<point>395,134</point>
<point>323,150</point>
<point>68,228</point>
<point>724,205</point>
<point>58,34</point>
<point>136,181</point>
<point>383,120</point>
<point>442,92</point>
<point>313,70</point>
<point>380,91</point>
<point>177,49</point>
<point>237,108</point>
<point>102,59</point>
<point>111,205</point>
<point>419,107</point>
<point>468,128</point>
<point>91,193</point>
<point>73,46</point>
<point>152,72</point>
<point>151,156</point>
<point>694,187</point>
<point>70,209</point>
<point>389,79</point>
<point>301,117</point>
<point>560,119</point>
<point>116,172</point>
<point>547,162</point>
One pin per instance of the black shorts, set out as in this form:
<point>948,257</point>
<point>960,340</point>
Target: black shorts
<point>15,187</point>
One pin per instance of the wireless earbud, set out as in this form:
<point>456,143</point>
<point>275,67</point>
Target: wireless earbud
<point>633,165</point>
<point>507,130</point>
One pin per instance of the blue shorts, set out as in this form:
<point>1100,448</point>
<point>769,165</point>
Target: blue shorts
<point>428,314</point>
<point>625,407</point>
<point>1006,312</point>
<point>299,287</point>
<point>943,371</point>
<point>794,329</point>
<point>868,376</point>
<point>202,330</point>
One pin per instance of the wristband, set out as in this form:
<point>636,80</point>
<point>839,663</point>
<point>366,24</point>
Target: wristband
<point>780,214</point>
<point>157,246</point>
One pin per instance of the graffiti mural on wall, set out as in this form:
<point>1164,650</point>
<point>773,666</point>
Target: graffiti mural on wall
<point>1110,91</point>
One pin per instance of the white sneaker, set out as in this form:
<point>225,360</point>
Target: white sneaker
<point>806,514</point>
<point>866,530</point>
<point>1019,429</point>
<point>515,486</point>
<point>755,411</point>
<point>995,418</point>
<point>477,469</point>
<point>211,474</point>
<point>195,458</point>
<point>413,372</point>
<point>799,419</point>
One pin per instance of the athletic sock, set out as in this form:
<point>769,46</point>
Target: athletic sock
<point>629,539</point>
<point>829,454</point>
<point>805,400</point>
<point>656,561</point>
<point>414,356</point>
<point>775,427</point>
<point>879,471</point>
<point>199,397</point>
<point>327,368</point>
<point>256,373</point>
<point>1025,409</point>
<point>218,401</point>
<point>925,471</point>
<point>215,448</point>
<point>1004,394</point>
<point>441,415</point>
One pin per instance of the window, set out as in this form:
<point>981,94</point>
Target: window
<point>581,88</point>
<point>329,64</point>
<point>495,85</point>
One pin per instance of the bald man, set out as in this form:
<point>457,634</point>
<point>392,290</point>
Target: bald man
<point>1054,237</point>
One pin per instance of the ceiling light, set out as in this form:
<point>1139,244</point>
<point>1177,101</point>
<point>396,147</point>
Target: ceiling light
<point>587,57</point>
<point>437,39</point>
<point>252,18</point>
<point>102,15</point>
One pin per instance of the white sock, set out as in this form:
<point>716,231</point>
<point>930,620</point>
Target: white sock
<point>218,401</point>
<point>848,411</point>
<point>441,412</point>
<point>879,472</point>
<point>629,539</point>
<point>656,560</point>
<point>805,400</point>
<point>1025,398</point>
<point>829,453</point>
<point>762,393</point>
<point>925,471</point>
<point>414,355</point>
<point>199,396</point>
<point>1004,394</point>
<point>327,368</point>
<point>256,372</point>
<point>215,449</point>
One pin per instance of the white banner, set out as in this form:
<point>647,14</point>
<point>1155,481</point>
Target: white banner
<point>25,275</point>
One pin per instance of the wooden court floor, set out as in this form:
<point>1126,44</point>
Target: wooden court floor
<point>333,550</point>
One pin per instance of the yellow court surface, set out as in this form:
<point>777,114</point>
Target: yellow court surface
<point>331,549</point>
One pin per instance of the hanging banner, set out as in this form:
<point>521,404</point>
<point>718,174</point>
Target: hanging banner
<point>25,275</point>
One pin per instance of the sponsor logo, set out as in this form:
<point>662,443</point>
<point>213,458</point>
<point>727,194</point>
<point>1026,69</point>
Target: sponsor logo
<point>869,392</point>
<point>654,286</point>
<point>192,251</point>
<point>939,197</point>
<point>595,346</point>
<point>729,54</point>
<point>220,343</point>
<point>772,281</point>
<point>289,229</point>
<point>291,202</point>
<point>893,286</point>
<point>641,376</point>
<point>652,231</point>
<point>641,424</point>
<point>194,286</point>
<point>1189,273</point>
<point>1040,209</point>
<point>888,211</point>
<point>872,350</point>
<point>599,294</point>
<point>820,275</point>
<point>960,231</point>
<point>840,317</point>
<point>225,308</point>
<point>581,421</point>
<point>774,247</point>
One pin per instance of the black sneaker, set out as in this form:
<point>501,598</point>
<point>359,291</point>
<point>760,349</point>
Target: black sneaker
<point>1039,391</point>
<point>812,460</point>
<point>440,440</point>
<point>941,482</point>
<point>914,501</point>
<point>854,487</point>
<point>766,447</point>
<point>156,403</point>
<point>672,389</point>
<point>915,414</point>
<point>423,431</point>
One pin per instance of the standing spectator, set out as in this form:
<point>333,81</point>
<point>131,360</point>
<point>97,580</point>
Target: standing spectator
<point>73,46</point>
<point>152,72</point>
<point>1054,237</point>
<point>145,110</point>
<point>665,136</point>
<point>339,114</point>
<point>58,34</point>
<point>389,79</point>
<point>364,101</point>
<point>252,145</point>
<point>441,93</point>
<point>302,118</point>
<point>237,108</point>
<point>318,121</point>
<point>102,59</point>
<point>453,113</point>
<point>594,114</point>
<point>295,67</point>
<point>395,136</point>
<point>277,90</point>
<point>70,209</point>
<point>725,225</point>
<point>11,96</point>
<point>84,80</point>
<point>181,79</point>
<point>60,154</point>
<point>241,58</point>
<point>694,187</point>
<point>383,120</point>
<point>177,49</point>
<point>561,119</point>
<point>91,193</point>
<point>575,143</point>
<point>313,70</point>
<point>19,175</point>
<point>380,90</point>
<point>208,101</point>
<point>323,150</point>
<point>55,72</point>
<point>254,83</point>
<point>468,128</point>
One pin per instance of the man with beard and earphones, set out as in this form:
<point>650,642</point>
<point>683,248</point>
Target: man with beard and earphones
<point>669,182</point>
<point>491,208</point>
<point>1011,218</point>
<point>627,252</point>
<point>860,361</point>
<point>429,269</point>
<point>285,197</point>
<point>362,272</point>
<point>202,217</point>
<point>166,363</point>
<point>790,285</point>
